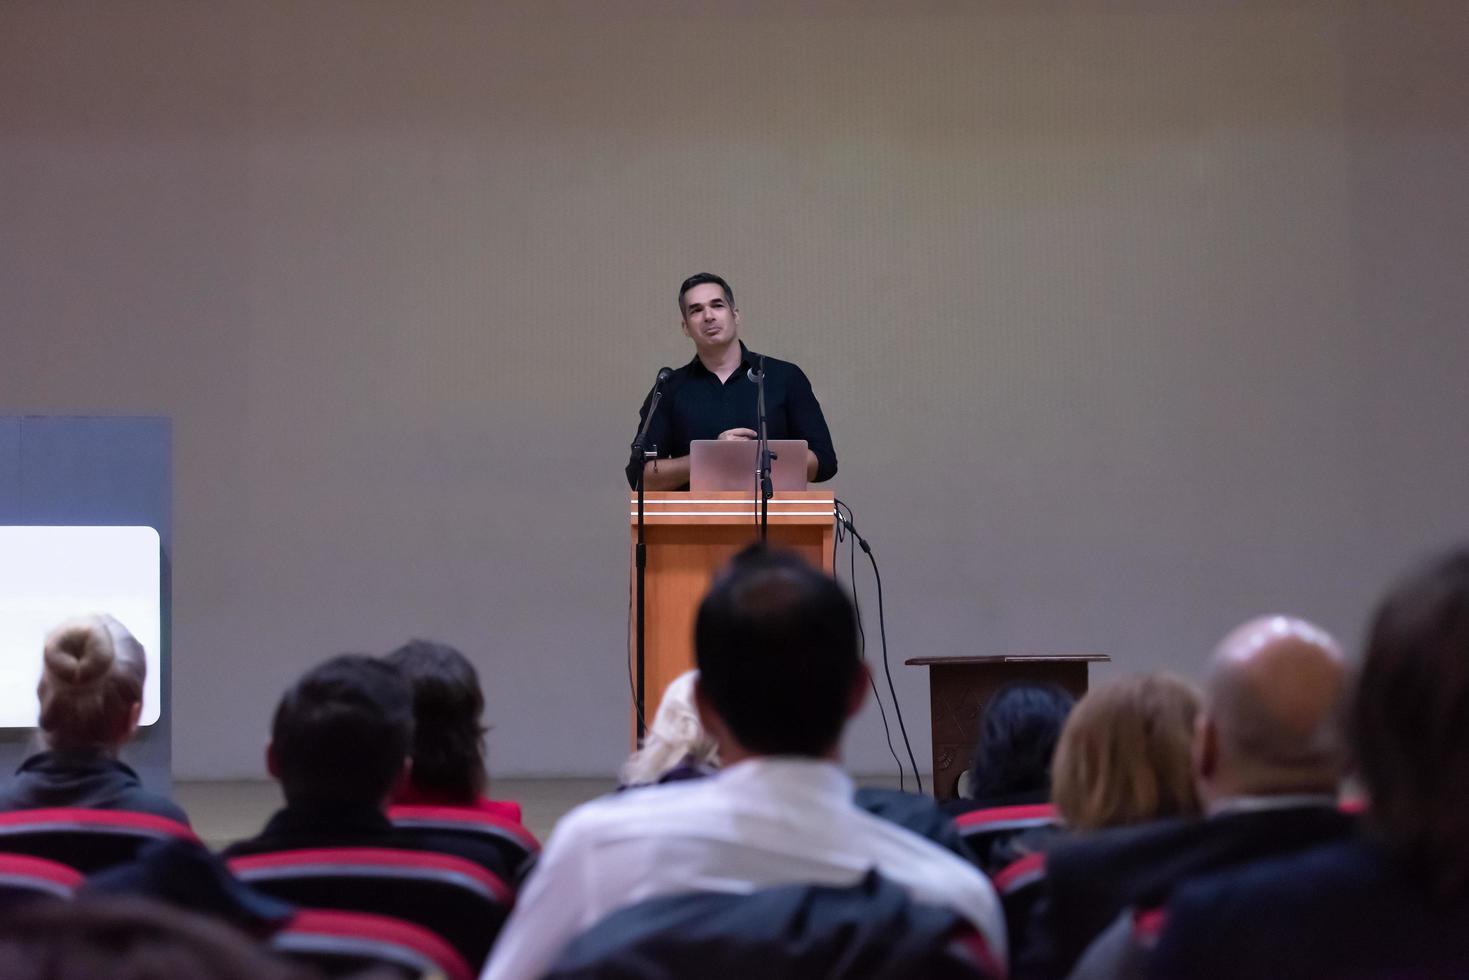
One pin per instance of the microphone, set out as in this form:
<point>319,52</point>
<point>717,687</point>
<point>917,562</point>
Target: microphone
<point>654,396</point>
<point>757,374</point>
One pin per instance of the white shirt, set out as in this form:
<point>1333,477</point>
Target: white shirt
<point>761,823</point>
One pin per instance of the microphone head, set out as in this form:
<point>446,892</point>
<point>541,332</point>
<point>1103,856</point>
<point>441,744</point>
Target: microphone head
<point>755,376</point>
<point>664,373</point>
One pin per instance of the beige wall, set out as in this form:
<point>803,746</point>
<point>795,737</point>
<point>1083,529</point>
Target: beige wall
<point>1132,320</point>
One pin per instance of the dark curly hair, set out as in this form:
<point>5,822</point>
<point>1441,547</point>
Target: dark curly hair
<point>448,739</point>
<point>1017,739</point>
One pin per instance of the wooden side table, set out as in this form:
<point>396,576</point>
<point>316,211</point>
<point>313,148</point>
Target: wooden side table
<point>960,687</point>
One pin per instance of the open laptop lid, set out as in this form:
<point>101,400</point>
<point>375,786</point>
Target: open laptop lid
<point>729,464</point>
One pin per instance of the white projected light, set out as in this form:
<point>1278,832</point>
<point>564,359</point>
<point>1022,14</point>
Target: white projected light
<point>49,574</point>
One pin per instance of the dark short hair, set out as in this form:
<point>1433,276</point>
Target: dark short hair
<point>1017,739</point>
<point>699,279</point>
<point>1410,722</point>
<point>342,731</point>
<point>448,738</point>
<point>129,936</point>
<point>776,645</point>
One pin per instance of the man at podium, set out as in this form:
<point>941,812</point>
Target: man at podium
<point>714,395</point>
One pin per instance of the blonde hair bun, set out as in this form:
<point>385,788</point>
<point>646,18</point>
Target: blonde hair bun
<point>93,675</point>
<point>80,651</point>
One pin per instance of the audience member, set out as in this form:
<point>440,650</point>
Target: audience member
<point>781,810</point>
<point>1394,901</point>
<point>339,745</point>
<point>1017,742</point>
<point>186,875</point>
<point>91,694</point>
<point>1268,758</point>
<point>1123,757</point>
<point>448,732</point>
<point>131,938</point>
<point>1011,768</point>
<point>676,746</point>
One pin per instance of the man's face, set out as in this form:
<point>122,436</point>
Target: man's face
<point>708,319</point>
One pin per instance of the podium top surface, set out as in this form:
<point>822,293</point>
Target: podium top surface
<point>1011,658</point>
<point>732,507</point>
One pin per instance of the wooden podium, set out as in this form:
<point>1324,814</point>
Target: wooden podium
<point>959,688</point>
<point>690,535</point>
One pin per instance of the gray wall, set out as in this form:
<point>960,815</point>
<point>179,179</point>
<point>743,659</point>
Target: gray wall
<point>1132,319</point>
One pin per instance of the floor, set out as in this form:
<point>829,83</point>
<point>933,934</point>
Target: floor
<point>223,812</point>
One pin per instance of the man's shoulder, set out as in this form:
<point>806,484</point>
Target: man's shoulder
<point>1293,913</point>
<point>1339,867</point>
<point>633,808</point>
<point>779,365</point>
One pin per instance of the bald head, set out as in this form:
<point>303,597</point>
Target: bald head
<point>1271,722</point>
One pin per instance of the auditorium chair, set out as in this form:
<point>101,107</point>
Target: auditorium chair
<point>1020,885</point>
<point>23,877</point>
<point>515,844</point>
<point>87,840</point>
<point>341,944</point>
<point>455,898</point>
<point>992,832</point>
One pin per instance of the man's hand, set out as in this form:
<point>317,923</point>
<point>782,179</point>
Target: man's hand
<point>739,434</point>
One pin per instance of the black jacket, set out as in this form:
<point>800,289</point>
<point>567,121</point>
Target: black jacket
<point>871,930</point>
<point>1092,878</point>
<point>1344,910</point>
<point>87,778</point>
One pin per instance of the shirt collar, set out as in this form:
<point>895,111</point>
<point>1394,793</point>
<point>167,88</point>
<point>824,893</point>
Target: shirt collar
<point>1255,804</point>
<point>748,359</point>
<point>797,775</point>
<point>66,760</point>
<point>315,815</point>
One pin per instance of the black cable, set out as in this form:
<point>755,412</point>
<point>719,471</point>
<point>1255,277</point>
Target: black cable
<point>886,666</point>
<point>887,731</point>
<point>632,685</point>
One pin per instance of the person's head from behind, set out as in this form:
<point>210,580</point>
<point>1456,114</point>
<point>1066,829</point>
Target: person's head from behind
<point>1123,757</point>
<point>342,733</point>
<point>129,937</point>
<point>776,646</point>
<point>675,737</point>
<point>1271,720</point>
<point>91,688</point>
<point>1409,724</point>
<point>1017,740</point>
<point>448,734</point>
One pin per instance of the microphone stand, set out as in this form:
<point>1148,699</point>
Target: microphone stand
<point>765,456</point>
<point>640,560</point>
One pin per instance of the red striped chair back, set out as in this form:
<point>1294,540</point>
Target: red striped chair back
<point>996,836</point>
<point>516,845</point>
<point>338,943</point>
<point>1006,819</point>
<point>23,877</point>
<point>1020,885</point>
<point>456,898</point>
<point>87,840</point>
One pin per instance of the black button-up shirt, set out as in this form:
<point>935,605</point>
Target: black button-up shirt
<point>696,405</point>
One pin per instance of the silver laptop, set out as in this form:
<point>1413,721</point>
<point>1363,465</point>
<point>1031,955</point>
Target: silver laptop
<point>729,464</point>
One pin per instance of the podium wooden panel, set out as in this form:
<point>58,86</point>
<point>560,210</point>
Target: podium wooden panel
<point>960,687</point>
<point>691,535</point>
